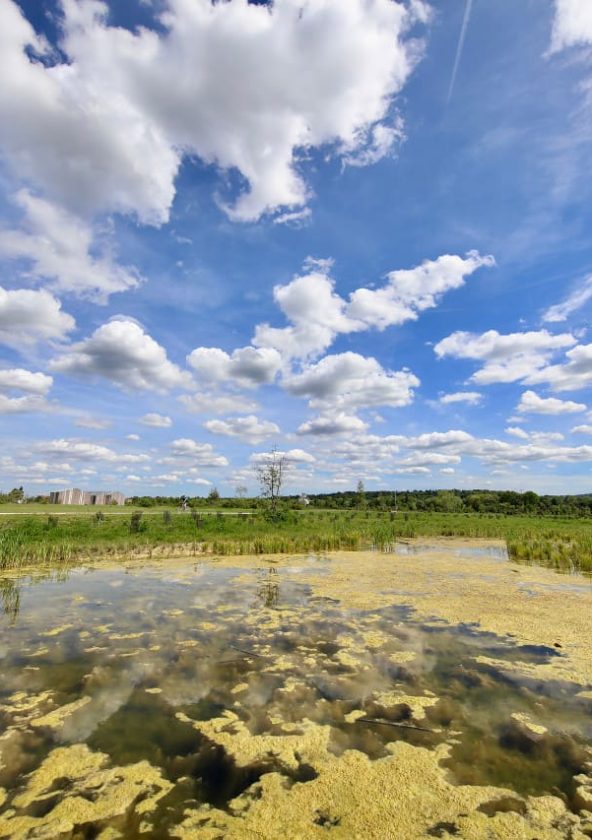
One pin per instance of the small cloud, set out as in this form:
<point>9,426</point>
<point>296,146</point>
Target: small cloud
<point>469,397</point>
<point>515,431</point>
<point>531,403</point>
<point>332,424</point>
<point>156,421</point>
<point>574,301</point>
<point>248,428</point>
<point>92,423</point>
<point>204,403</point>
<point>298,218</point>
<point>291,456</point>
<point>582,430</point>
<point>201,454</point>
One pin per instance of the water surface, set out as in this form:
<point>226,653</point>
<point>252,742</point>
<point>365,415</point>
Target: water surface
<point>133,659</point>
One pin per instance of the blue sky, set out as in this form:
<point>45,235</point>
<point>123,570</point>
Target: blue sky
<point>231,227</point>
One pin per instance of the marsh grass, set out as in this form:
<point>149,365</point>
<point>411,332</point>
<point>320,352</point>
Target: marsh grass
<point>556,551</point>
<point>560,543</point>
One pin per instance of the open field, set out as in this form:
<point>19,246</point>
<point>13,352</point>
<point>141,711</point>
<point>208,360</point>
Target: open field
<point>563,543</point>
<point>38,509</point>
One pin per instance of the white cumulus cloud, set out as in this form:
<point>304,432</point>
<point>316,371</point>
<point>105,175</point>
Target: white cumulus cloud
<point>246,366</point>
<point>31,388</point>
<point>27,317</point>
<point>247,87</point>
<point>572,25</point>
<point>248,428</point>
<point>516,431</point>
<point>572,375</point>
<point>290,456</point>
<point>200,454</point>
<point>332,424</point>
<point>508,358</point>
<point>156,421</point>
<point>19,379</point>
<point>531,403</point>
<point>469,397</point>
<point>22,405</point>
<point>317,314</point>
<point>411,291</point>
<point>204,403</point>
<point>58,246</point>
<point>85,451</point>
<point>348,381</point>
<point>122,352</point>
<point>438,440</point>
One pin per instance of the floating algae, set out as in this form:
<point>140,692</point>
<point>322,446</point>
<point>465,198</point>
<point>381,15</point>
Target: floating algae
<point>404,795</point>
<point>74,789</point>
<point>57,718</point>
<point>364,696</point>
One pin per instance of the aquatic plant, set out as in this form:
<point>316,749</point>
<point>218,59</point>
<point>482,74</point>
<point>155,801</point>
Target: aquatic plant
<point>560,542</point>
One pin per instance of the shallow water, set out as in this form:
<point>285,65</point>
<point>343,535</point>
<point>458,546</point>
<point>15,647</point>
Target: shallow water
<point>150,650</point>
<point>498,552</point>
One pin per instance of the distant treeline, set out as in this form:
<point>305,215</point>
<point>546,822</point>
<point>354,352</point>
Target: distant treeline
<point>441,501</point>
<point>458,501</point>
<point>438,501</point>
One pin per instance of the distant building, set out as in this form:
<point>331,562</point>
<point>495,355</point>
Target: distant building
<point>74,496</point>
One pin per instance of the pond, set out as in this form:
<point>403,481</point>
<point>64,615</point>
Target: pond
<point>342,696</point>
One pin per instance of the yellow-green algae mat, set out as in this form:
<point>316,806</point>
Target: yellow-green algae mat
<point>438,691</point>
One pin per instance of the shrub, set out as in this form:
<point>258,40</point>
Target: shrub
<point>136,524</point>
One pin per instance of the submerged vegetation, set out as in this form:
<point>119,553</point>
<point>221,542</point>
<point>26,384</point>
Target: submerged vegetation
<point>558,542</point>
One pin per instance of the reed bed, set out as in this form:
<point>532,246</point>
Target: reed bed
<point>560,543</point>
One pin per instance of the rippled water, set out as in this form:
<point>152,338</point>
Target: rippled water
<point>149,650</point>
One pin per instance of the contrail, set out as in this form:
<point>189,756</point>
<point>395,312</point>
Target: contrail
<point>461,43</point>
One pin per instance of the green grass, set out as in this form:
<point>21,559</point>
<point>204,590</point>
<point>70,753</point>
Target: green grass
<point>562,543</point>
<point>34,508</point>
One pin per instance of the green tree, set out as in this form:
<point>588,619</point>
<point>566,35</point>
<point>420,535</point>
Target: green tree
<point>447,502</point>
<point>213,496</point>
<point>531,501</point>
<point>361,494</point>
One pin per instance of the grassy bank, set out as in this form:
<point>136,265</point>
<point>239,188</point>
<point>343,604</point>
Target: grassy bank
<point>556,542</point>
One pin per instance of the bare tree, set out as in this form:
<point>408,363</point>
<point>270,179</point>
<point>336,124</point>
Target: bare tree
<point>241,491</point>
<point>270,475</point>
